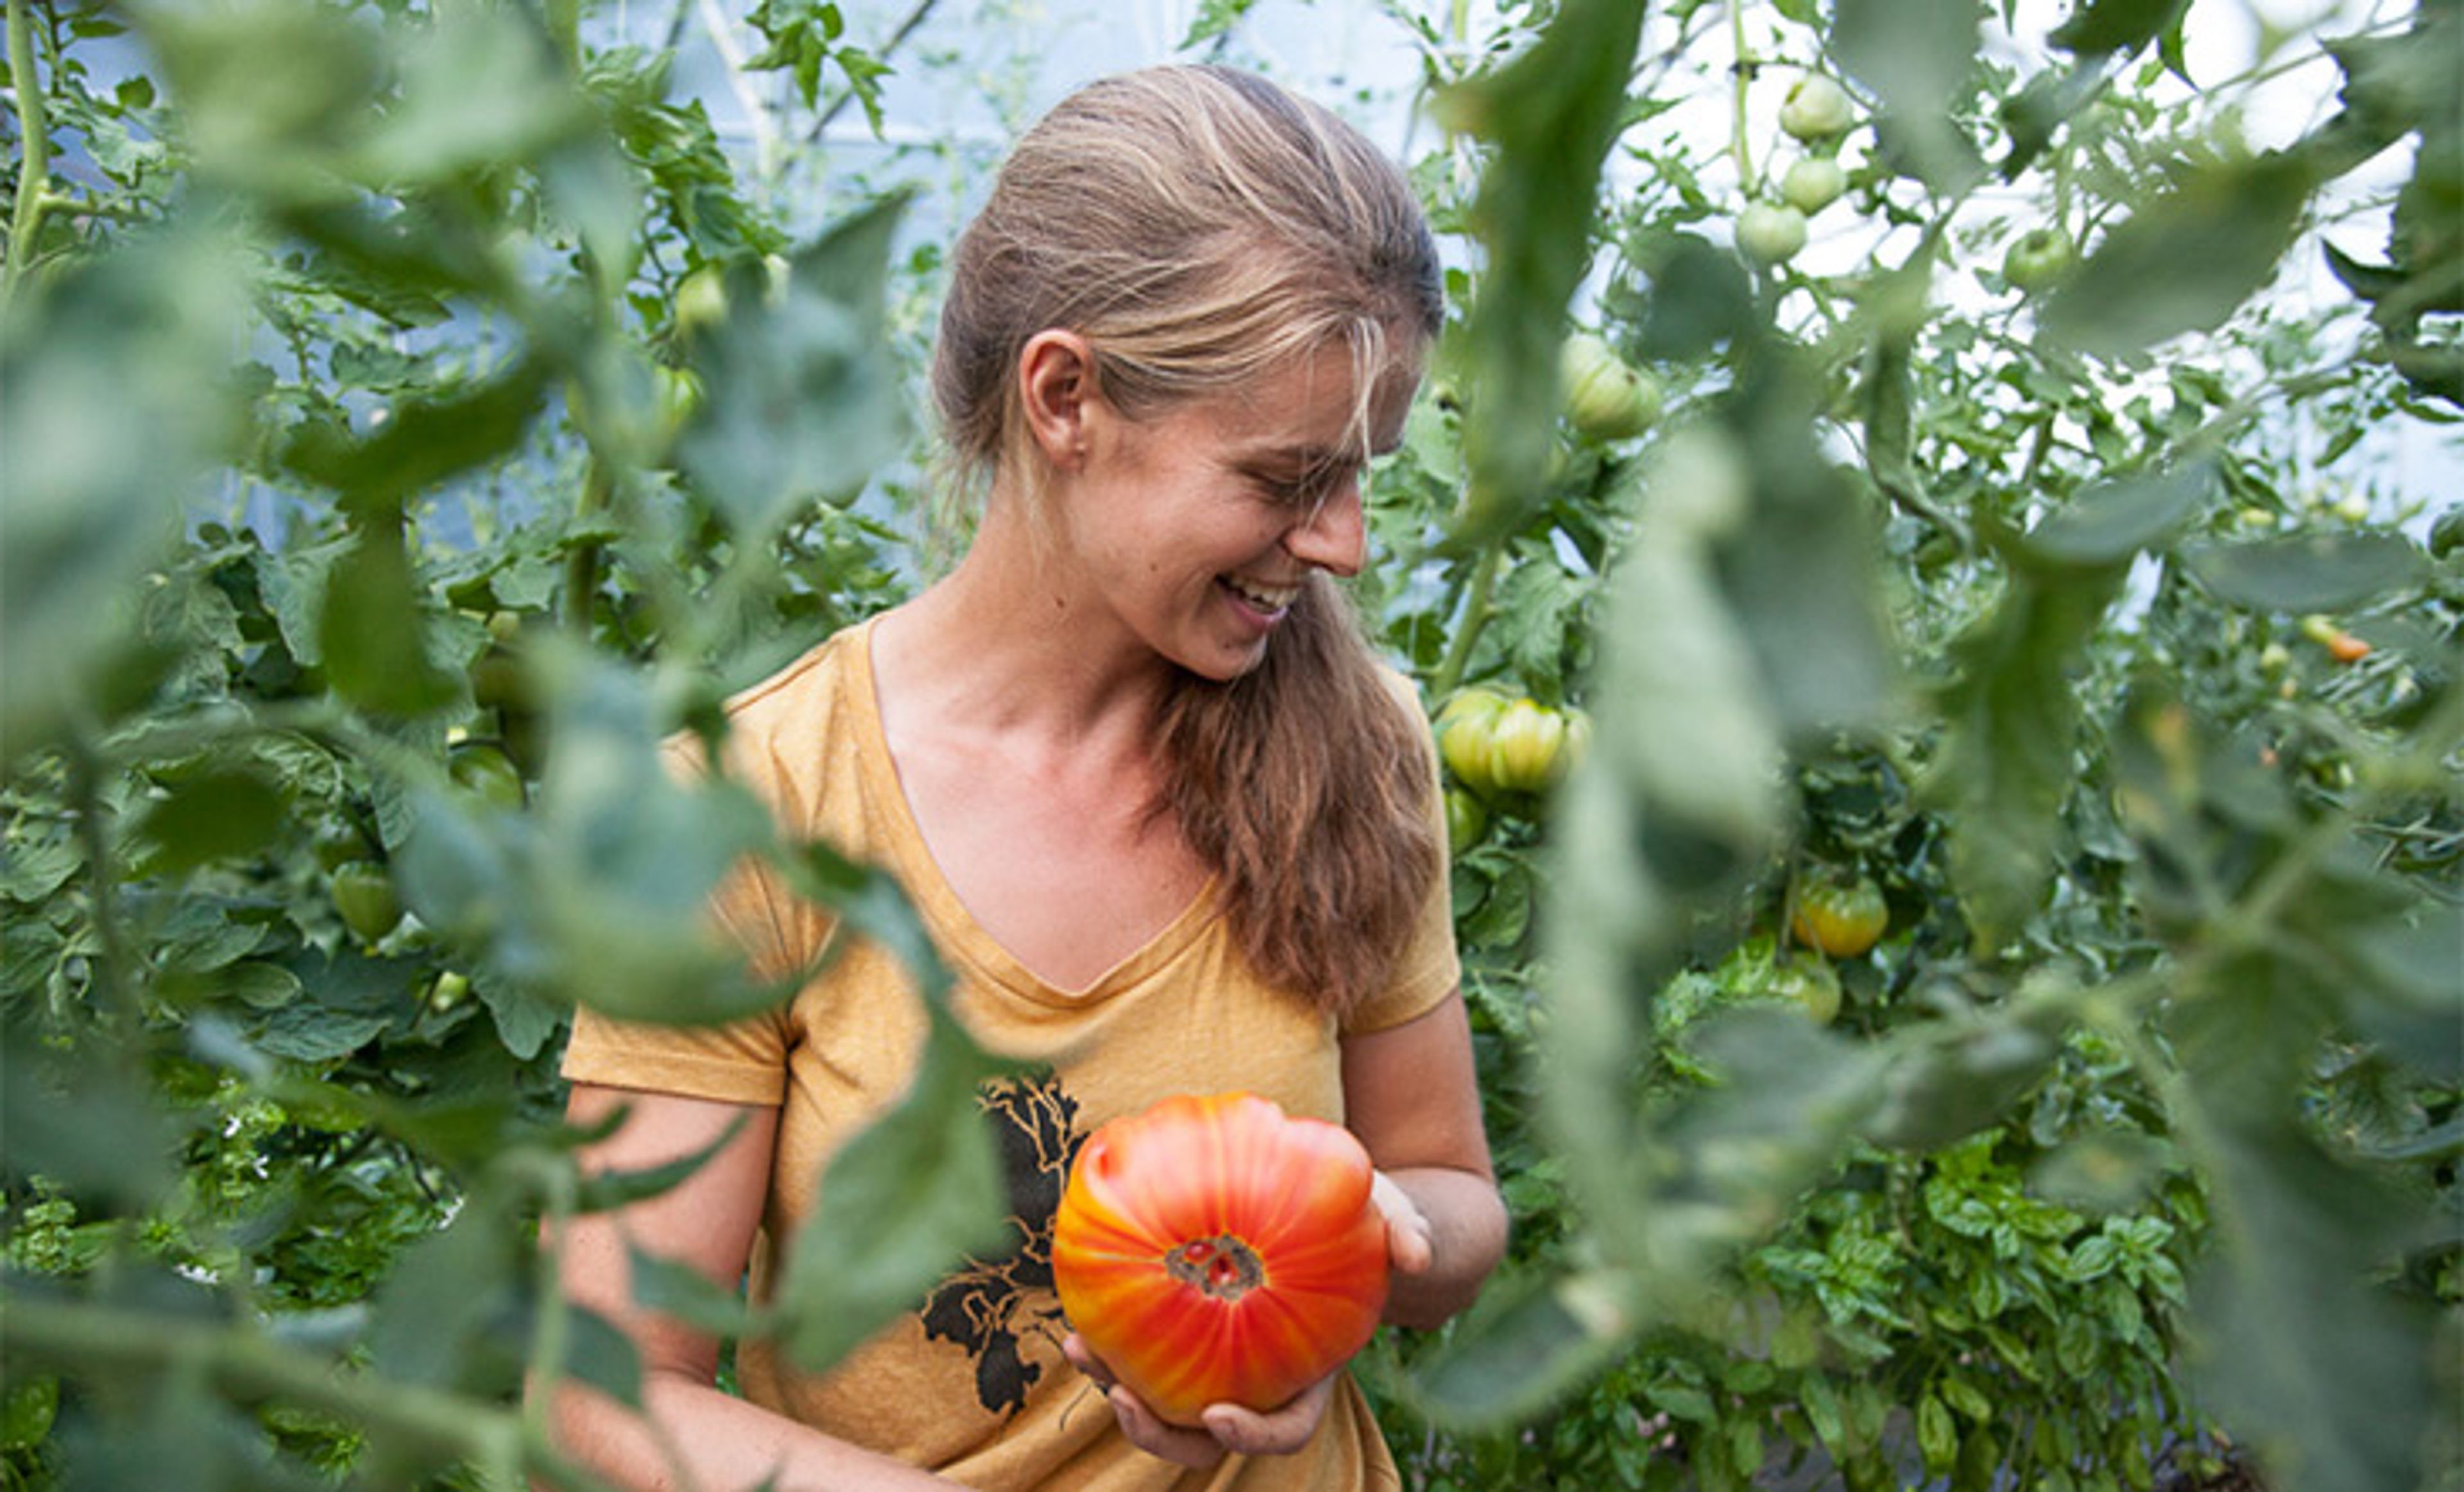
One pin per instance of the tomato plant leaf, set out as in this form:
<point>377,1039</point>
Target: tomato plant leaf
<point>606,1191</point>
<point>478,89</point>
<point>2183,261</point>
<point>802,402</point>
<point>1798,572</point>
<point>2010,760</point>
<point>213,815</point>
<point>916,1191</point>
<point>1919,56</point>
<point>2314,573</point>
<point>424,439</point>
<point>371,626</point>
<point>1552,113</point>
<point>1529,1339</point>
<point>85,1119</point>
<point>2110,521</point>
<point>1698,298</point>
<point>446,1314</point>
<point>2319,1365</point>
<point>673,1290</point>
<point>2100,27</point>
<point>874,905</point>
<point>117,396</point>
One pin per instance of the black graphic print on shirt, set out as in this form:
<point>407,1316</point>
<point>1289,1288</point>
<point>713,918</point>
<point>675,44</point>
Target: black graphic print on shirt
<point>989,1305</point>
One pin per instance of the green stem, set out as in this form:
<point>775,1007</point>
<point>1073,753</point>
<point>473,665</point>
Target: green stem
<point>106,1341</point>
<point>1743,70</point>
<point>112,960</point>
<point>581,566</point>
<point>564,27</point>
<point>1477,610</point>
<point>35,171</point>
<point>551,1330</point>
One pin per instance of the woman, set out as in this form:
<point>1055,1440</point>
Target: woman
<point>1173,827</point>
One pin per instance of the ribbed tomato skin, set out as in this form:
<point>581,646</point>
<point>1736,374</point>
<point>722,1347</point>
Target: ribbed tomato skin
<point>1232,1176</point>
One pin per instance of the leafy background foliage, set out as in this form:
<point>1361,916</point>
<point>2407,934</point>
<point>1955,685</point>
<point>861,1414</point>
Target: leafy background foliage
<point>401,442</point>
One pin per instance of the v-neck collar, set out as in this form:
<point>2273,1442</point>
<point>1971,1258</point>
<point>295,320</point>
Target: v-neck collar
<point>955,929</point>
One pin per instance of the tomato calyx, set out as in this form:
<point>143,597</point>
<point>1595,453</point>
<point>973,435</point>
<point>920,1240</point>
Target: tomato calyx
<point>1221,1267</point>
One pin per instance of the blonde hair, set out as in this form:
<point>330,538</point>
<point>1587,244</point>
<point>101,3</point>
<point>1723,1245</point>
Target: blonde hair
<point>1200,227</point>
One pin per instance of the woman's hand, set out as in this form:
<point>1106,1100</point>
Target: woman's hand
<point>1410,1246</point>
<point>1230,1429</point>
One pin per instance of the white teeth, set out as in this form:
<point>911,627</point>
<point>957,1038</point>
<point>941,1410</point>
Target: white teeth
<point>1264,598</point>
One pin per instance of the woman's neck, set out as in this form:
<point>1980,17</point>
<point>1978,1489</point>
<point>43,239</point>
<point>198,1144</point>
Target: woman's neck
<point>1010,642</point>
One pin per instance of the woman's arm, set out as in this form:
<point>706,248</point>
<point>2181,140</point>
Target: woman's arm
<point>690,1434</point>
<point>1412,1094</point>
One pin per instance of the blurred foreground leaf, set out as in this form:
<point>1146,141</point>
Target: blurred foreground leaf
<point>117,396</point>
<point>916,1191</point>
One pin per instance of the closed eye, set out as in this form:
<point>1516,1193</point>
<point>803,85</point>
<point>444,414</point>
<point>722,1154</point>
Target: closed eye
<point>1311,488</point>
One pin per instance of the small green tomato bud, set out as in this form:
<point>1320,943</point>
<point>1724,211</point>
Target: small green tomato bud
<point>1817,109</point>
<point>1770,233</point>
<point>1813,183</point>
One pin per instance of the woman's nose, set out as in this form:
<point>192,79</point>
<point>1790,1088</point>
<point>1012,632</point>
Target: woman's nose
<point>1335,536</point>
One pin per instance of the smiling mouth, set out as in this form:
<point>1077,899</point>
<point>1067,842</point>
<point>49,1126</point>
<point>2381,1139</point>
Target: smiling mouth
<point>1270,600</point>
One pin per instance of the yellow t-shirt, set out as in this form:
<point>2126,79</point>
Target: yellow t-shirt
<point>972,1384</point>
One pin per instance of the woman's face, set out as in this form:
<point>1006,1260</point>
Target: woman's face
<point>1198,524</point>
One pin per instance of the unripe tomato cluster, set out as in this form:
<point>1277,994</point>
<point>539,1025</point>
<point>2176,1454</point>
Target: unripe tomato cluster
<point>1503,746</point>
<point>1816,113</point>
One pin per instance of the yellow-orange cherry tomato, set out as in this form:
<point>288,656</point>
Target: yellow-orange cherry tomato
<point>1842,915</point>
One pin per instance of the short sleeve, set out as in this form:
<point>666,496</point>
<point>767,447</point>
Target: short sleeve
<point>743,1061</point>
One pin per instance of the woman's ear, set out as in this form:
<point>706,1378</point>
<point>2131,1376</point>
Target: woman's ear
<point>1056,386</point>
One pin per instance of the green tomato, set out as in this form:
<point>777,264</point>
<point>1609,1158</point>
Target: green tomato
<point>365,898</point>
<point>1462,734</point>
<point>448,991</point>
<point>1771,233</point>
<point>680,397</point>
<point>2037,258</point>
<point>338,843</point>
<point>1817,109</point>
<point>1812,983</point>
<point>484,769</point>
<point>1813,183</point>
<point>1467,821</point>
<point>1527,747</point>
<point>701,301</point>
<point>2447,534</point>
<point>1605,398</point>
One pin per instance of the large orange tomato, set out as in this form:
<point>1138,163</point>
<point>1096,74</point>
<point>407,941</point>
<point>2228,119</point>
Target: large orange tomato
<point>1214,1250</point>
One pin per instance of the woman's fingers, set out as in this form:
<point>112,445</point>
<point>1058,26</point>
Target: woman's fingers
<point>1408,1245</point>
<point>1277,1431</point>
<point>1229,1428</point>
